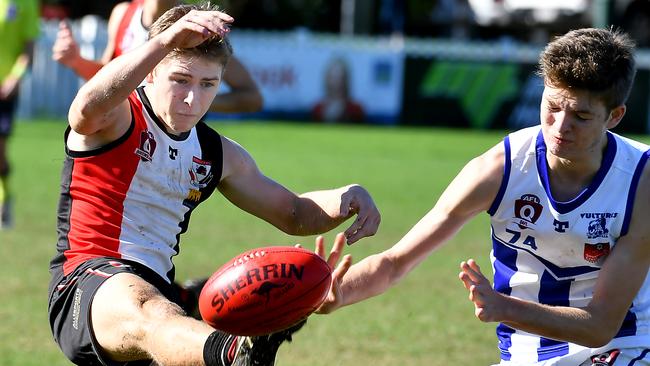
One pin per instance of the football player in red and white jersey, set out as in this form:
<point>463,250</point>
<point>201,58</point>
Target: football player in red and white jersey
<point>138,161</point>
<point>128,28</point>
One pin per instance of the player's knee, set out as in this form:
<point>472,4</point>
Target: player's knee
<point>159,309</point>
<point>124,312</point>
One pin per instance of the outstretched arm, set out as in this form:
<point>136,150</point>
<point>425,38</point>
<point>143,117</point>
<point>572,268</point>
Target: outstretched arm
<point>594,325</point>
<point>470,193</point>
<point>66,49</point>
<point>10,84</point>
<point>297,214</point>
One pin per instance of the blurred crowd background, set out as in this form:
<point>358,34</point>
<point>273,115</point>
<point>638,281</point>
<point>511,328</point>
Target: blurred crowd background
<point>459,63</point>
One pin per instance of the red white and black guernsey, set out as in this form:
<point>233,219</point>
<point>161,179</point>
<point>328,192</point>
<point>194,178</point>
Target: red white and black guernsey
<point>132,198</point>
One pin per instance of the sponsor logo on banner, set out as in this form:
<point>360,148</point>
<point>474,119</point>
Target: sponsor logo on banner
<point>441,80</point>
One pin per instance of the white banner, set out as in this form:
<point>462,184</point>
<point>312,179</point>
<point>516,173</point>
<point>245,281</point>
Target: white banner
<point>291,70</point>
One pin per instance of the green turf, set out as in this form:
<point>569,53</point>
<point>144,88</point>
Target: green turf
<point>425,320</point>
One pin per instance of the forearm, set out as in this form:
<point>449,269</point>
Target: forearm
<point>114,82</point>
<point>370,277</point>
<point>20,66</point>
<point>318,212</point>
<point>85,68</point>
<point>246,101</point>
<point>311,219</point>
<point>582,326</point>
<point>9,85</point>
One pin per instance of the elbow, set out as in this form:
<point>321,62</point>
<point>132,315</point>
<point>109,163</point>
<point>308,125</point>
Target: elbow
<point>81,113</point>
<point>599,336</point>
<point>601,330</point>
<point>255,102</point>
<point>596,339</point>
<point>80,122</point>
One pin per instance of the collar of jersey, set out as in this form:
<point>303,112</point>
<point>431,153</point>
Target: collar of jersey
<point>147,105</point>
<point>542,170</point>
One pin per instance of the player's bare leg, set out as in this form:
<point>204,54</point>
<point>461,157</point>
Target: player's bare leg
<point>143,324</point>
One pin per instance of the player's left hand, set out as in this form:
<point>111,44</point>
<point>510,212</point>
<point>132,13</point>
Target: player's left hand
<point>357,200</point>
<point>488,303</point>
<point>194,28</point>
<point>65,49</point>
<point>335,296</point>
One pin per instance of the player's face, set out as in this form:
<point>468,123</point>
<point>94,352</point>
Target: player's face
<point>182,89</point>
<point>574,123</point>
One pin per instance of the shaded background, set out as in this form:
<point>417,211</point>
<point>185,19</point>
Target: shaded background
<point>457,63</point>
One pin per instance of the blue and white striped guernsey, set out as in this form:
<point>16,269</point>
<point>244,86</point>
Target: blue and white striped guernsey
<point>551,252</point>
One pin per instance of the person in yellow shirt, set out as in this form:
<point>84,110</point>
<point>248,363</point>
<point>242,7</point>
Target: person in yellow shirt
<point>19,27</point>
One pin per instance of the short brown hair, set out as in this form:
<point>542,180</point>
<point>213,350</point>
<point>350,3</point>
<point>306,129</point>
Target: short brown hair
<point>600,61</point>
<point>214,48</point>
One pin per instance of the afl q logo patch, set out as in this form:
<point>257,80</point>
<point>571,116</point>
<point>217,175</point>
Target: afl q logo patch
<point>147,146</point>
<point>527,210</point>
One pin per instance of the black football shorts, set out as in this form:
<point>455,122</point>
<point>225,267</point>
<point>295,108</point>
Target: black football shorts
<point>7,109</point>
<point>70,298</point>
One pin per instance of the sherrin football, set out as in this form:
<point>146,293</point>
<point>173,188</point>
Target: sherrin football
<point>265,290</point>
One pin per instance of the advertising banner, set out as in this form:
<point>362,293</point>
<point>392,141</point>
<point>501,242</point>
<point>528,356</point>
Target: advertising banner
<point>492,94</point>
<point>298,73</point>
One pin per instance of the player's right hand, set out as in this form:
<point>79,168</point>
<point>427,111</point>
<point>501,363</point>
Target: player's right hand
<point>65,49</point>
<point>334,298</point>
<point>196,27</point>
<point>489,305</point>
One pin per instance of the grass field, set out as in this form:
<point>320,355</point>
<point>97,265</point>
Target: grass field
<point>425,320</point>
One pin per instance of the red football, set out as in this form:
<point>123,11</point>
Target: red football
<point>265,290</point>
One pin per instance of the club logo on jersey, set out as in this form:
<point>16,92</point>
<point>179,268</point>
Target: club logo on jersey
<point>200,173</point>
<point>147,146</point>
<point>595,253</point>
<point>597,228</point>
<point>527,211</point>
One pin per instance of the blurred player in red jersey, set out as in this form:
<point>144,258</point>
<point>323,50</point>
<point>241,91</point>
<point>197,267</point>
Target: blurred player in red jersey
<point>128,28</point>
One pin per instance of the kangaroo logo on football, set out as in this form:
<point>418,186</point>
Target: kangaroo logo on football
<point>147,146</point>
<point>200,172</point>
<point>527,211</point>
<point>266,288</point>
